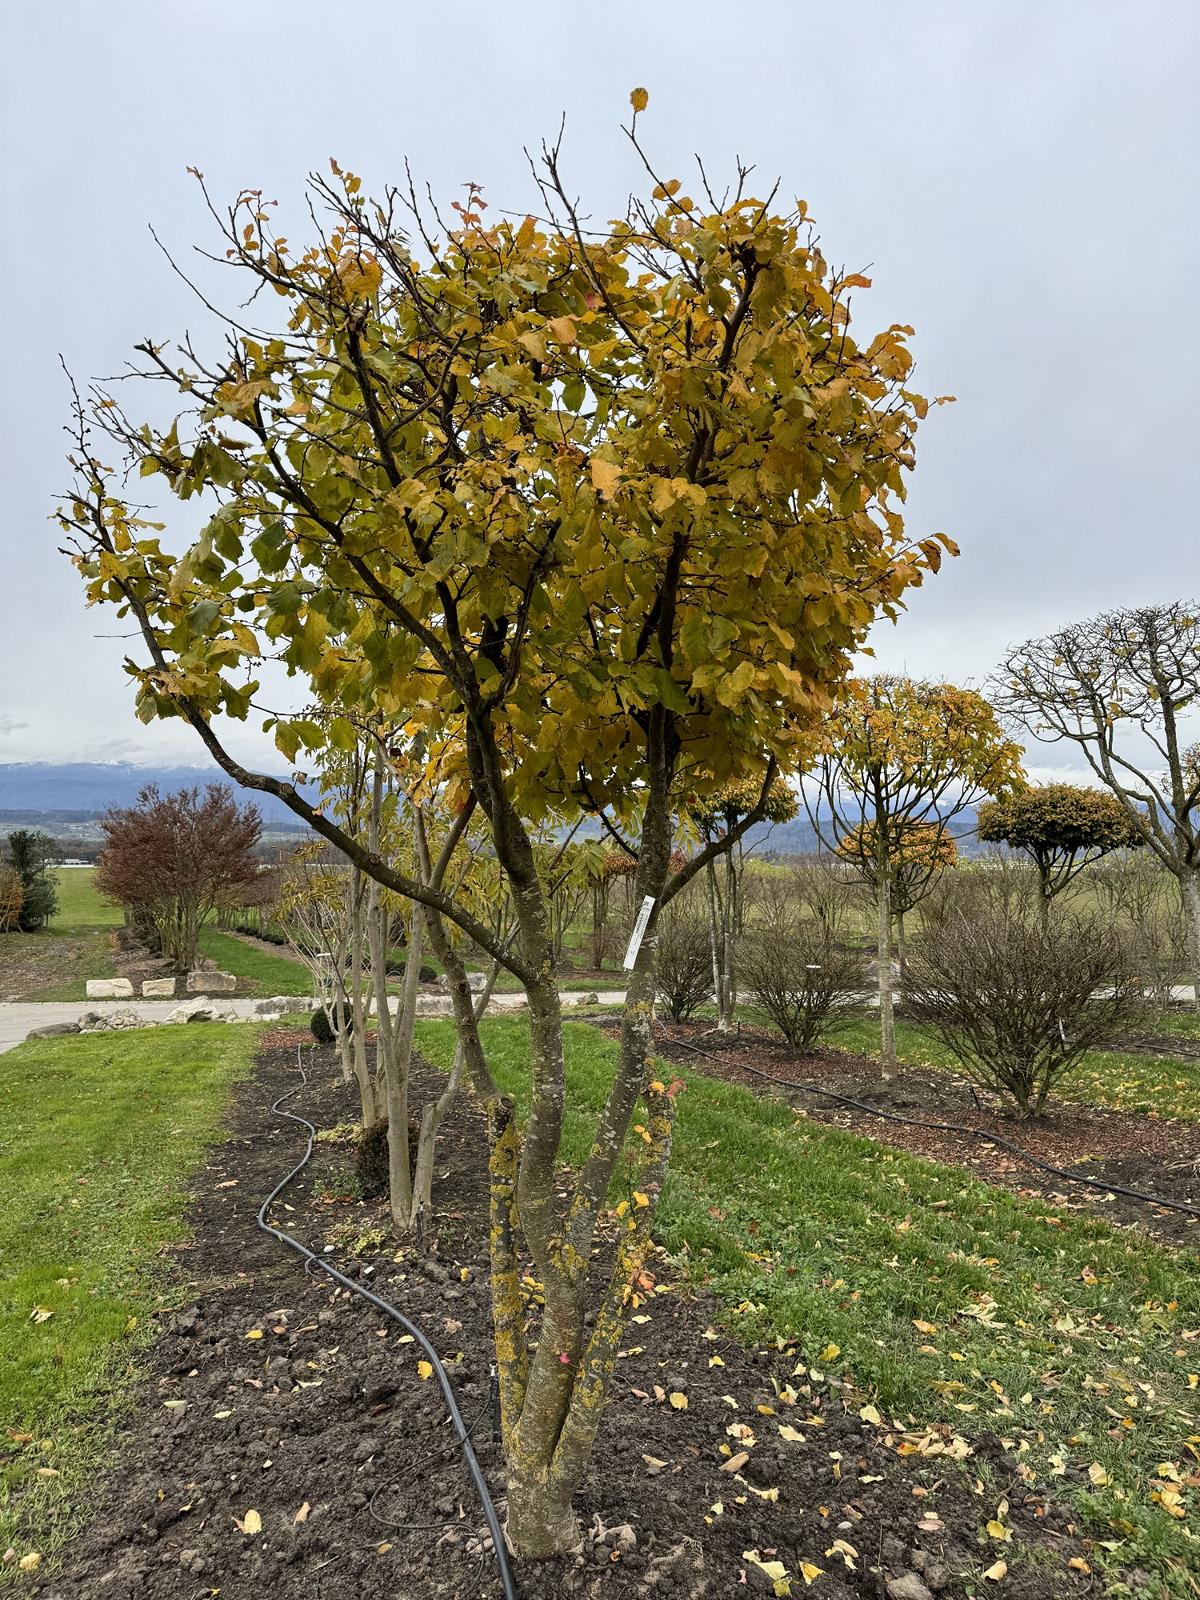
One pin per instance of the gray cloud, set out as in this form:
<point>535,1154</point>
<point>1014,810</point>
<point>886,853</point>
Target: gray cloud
<point>1019,178</point>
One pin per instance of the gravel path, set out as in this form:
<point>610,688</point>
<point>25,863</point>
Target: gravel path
<point>19,1018</point>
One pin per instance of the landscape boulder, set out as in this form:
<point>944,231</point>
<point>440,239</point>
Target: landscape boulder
<point>158,988</point>
<point>109,989</point>
<point>203,1010</point>
<point>52,1028</point>
<point>281,1005</point>
<point>111,1021</point>
<point>201,982</point>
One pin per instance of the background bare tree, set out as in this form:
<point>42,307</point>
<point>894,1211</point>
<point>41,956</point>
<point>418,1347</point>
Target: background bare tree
<point>1124,689</point>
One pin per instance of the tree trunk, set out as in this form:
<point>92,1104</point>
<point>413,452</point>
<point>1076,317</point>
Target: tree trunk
<point>887,1021</point>
<point>1190,885</point>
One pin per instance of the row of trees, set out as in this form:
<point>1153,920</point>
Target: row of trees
<point>563,523</point>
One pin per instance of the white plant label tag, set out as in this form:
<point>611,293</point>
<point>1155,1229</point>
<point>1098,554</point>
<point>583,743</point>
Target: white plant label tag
<point>639,933</point>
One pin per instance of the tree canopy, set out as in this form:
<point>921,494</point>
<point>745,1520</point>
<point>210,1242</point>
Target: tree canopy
<point>1062,826</point>
<point>596,519</point>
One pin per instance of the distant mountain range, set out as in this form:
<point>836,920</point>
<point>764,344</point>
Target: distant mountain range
<point>66,798</point>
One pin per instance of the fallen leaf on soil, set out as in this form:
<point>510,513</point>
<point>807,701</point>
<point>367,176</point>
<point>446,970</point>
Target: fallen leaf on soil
<point>774,1570</point>
<point>842,1547</point>
<point>250,1523</point>
<point>653,1464</point>
<point>870,1414</point>
<point>424,1370</point>
<point>254,1333</point>
<point>998,1570</point>
<point>737,1462</point>
<point>792,1435</point>
<point>302,1514</point>
<point>809,1572</point>
<point>679,1400</point>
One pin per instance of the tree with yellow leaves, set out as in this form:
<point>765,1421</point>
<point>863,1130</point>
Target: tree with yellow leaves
<point>599,519</point>
<point>900,760</point>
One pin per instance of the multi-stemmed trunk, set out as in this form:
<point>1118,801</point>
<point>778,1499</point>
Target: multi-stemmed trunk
<point>887,1016</point>
<point>1189,885</point>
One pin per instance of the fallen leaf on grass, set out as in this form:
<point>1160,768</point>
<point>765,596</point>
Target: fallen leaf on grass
<point>1097,1474</point>
<point>870,1414</point>
<point>31,1562</point>
<point>41,1314</point>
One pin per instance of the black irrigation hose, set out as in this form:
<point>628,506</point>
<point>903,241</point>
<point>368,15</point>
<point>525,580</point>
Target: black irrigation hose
<point>507,1581</point>
<point>949,1127</point>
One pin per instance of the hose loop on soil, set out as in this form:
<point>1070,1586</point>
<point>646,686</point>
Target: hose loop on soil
<point>947,1127</point>
<point>312,1260</point>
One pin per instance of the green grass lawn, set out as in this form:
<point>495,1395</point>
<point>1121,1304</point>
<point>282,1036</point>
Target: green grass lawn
<point>274,974</point>
<point>98,1134</point>
<point>1124,1080</point>
<point>1067,1337</point>
<point>80,903</point>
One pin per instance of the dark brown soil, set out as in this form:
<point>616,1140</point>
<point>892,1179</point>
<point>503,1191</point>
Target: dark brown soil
<point>1154,1155</point>
<point>324,1427</point>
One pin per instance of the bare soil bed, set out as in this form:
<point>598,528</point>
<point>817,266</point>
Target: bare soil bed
<point>1154,1155</point>
<point>34,964</point>
<point>274,1391</point>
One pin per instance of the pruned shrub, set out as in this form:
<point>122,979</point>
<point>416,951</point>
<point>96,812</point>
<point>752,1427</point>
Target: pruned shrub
<point>1018,999</point>
<point>803,979</point>
<point>371,1156</point>
<point>321,1023</point>
<point>685,964</point>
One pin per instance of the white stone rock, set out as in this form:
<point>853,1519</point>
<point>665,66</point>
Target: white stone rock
<point>109,989</point>
<point>155,988</point>
<point>199,982</point>
<point>281,1004</point>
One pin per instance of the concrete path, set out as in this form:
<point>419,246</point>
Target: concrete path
<point>19,1018</point>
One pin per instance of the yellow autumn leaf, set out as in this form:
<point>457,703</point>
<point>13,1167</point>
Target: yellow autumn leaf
<point>830,1353</point>
<point>997,1530</point>
<point>715,1361</point>
<point>424,1370</point>
<point>678,1400</point>
<point>31,1562</point>
<point>774,1570</point>
<point>561,330</point>
<point>640,1199</point>
<point>792,1435</point>
<point>809,1572</point>
<point>870,1414</point>
<point>254,1333</point>
<point>251,1522</point>
<point>1098,1475</point>
<point>998,1570</point>
<point>606,477</point>
<point>639,99</point>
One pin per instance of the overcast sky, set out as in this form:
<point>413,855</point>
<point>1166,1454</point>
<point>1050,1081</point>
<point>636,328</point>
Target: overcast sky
<point>1019,175</point>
